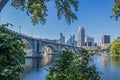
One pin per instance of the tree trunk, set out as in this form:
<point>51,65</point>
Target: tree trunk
<point>2,4</point>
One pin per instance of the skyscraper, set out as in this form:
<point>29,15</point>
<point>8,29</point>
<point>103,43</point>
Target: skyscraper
<point>62,39</point>
<point>105,39</point>
<point>81,37</point>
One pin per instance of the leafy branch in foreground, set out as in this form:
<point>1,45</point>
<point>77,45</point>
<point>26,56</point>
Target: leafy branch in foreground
<point>38,10</point>
<point>72,67</point>
<point>116,9</point>
<point>11,55</point>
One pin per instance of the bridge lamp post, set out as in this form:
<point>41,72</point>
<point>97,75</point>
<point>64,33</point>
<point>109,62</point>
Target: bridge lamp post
<point>31,33</point>
<point>20,29</point>
<point>0,19</point>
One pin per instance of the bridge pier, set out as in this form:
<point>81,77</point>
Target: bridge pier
<point>38,54</point>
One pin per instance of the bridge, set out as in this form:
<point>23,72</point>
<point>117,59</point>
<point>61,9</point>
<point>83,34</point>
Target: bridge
<point>40,46</point>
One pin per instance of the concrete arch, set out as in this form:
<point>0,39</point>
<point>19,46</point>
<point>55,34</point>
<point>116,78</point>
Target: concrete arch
<point>71,49</point>
<point>48,47</point>
<point>74,50</point>
<point>65,48</point>
<point>28,48</point>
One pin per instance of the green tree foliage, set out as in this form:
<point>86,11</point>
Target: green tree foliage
<point>72,67</point>
<point>115,46</point>
<point>116,9</point>
<point>11,55</point>
<point>2,4</point>
<point>37,9</point>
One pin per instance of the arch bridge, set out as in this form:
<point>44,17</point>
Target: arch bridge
<point>41,46</point>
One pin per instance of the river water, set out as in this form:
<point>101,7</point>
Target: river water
<point>108,65</point>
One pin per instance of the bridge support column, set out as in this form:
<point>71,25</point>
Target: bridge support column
<point>59,49</point>
<point>36,48</point>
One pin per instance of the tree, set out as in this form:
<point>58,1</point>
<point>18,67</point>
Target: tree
<point>72,67</point>
<point>116,9</point>
<point>115,46</point>
<point>11,55</point>
<point>37,9</point>
<point>2,4</point>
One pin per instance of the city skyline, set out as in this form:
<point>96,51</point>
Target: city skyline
<point>94,17</point>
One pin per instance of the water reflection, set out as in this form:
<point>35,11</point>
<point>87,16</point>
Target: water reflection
<point>105,60</point>
<point>39,66</point>
<point>115,58</point>
<point>108,65</point>
<point>39,62</point>
<point>115,62</point>
<point>111,61</point>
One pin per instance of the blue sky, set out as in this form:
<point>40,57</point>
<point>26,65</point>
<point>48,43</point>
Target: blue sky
<point>93,15</point>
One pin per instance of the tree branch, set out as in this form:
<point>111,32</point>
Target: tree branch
<point>2,4</point>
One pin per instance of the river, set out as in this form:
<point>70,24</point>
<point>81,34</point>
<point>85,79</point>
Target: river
<point>108,65</point>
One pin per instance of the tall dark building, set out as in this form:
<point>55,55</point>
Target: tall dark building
<point>105,39</point>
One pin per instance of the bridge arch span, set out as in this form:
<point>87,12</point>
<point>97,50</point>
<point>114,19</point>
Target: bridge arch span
<point>49,49</point>
<point>74,50</point>
<point>28,48</point>
<point>64,48</point>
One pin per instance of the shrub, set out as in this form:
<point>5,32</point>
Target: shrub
<point>72,67</point>
<point>11,55</point>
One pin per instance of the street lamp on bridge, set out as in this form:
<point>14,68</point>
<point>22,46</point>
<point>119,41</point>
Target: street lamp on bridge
<point>20,29</point>
<point>31,33</point>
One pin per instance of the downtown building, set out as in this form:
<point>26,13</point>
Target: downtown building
<point>105,41</point>
<point>89,41</point>
<point>81,37</point>
<point>62,39</point>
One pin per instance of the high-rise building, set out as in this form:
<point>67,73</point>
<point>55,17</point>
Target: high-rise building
<point>105,39</point>
<point>81,37</point>
<point>89,41</point>
<point>95,44</point>
<point>62,39</point>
